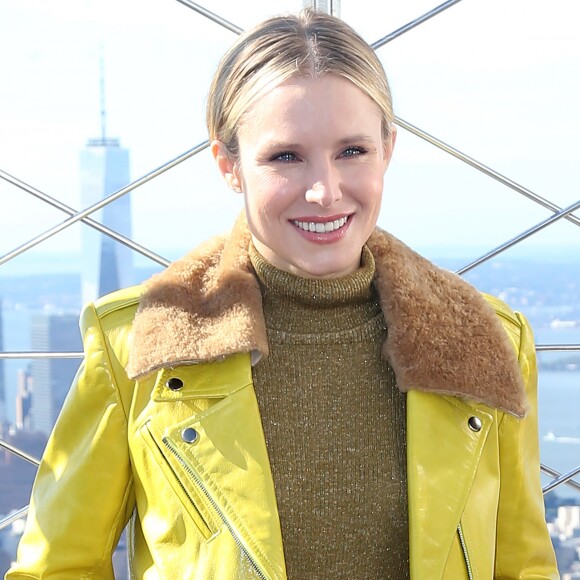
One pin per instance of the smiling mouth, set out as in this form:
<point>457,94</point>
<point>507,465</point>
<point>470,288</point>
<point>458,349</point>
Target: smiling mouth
<point>321,227</point>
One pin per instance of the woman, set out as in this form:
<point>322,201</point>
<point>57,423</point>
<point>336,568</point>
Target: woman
<point>306,398</point>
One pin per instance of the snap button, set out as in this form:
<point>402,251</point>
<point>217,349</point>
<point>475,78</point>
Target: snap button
<point>474,424</point>
<point>189,435</point>
<point>174,383</point>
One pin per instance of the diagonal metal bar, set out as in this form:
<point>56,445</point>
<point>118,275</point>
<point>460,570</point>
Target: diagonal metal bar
<point>211,16</point>
<point>5,522</point>
<point>412,24</point>
<point>381,42</point>
<point>89,221</point>
<point>81,216</point>
<point>526,234</point>
<point>570,482</point>
<point>19,452</point>
<point>445,147</point>
<point>38,354</point>
<point>483,168</point>
<point>119,193</point>
<point>560,480</point>
<point>557,347</point>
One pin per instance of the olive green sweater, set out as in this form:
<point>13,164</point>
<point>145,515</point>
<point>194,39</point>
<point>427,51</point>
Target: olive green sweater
<point>334,423</point>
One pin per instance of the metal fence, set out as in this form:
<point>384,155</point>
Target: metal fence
<point>553,211</point>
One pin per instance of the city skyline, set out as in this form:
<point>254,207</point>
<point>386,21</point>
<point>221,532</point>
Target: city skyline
<point>105,266</point>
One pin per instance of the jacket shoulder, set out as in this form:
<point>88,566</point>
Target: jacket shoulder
<point>114,309</point>
<point>106,327</point>
<point>512,322</point>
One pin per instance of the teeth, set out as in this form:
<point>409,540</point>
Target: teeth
<point>321,227</point>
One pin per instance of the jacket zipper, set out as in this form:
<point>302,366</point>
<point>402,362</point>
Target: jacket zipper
<point>465,554</point>
<point>131,546</point>
<point>169,444</point>
<point>204,526</point>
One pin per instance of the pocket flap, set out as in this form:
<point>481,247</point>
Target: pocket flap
<point>208,380</point>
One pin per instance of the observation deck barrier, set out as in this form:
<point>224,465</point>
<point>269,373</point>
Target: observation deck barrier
<point>554,213</point>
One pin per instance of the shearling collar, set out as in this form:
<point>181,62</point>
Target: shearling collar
<point>443,337</point>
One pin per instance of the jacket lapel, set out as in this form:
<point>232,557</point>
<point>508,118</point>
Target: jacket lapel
<point>443,454</point>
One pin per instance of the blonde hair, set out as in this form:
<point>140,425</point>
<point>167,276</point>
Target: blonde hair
<point>310,44</point>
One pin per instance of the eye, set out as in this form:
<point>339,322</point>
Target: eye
<point>353,151</point>
<point>285,157</point>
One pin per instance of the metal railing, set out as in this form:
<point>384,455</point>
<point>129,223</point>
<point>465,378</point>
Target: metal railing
<point>558,213</point>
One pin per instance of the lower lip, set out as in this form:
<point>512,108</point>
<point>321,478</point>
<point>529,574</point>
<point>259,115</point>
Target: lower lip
<point>326,237</point>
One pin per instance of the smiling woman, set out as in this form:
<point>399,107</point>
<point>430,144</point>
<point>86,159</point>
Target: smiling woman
<point>306,397</point>
<point>311,165</point>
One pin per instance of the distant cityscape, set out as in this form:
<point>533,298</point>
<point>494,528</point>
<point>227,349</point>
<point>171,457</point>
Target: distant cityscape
<point>43,311</point>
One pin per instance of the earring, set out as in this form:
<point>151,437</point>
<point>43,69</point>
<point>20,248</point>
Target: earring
<point>233,183</point>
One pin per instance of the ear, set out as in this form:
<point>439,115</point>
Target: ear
<point>389,145</point>
<point>226,165</point>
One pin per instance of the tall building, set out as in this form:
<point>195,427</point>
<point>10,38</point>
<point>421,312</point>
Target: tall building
<point>107,264</point>
<point>52,377</point>
<point>23,403</point>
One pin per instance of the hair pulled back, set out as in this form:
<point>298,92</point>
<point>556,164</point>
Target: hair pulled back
<point>311,44</point>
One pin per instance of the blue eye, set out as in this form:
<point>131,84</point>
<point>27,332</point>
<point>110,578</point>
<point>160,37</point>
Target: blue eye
<point>286,157</point>
<point>353,152</point>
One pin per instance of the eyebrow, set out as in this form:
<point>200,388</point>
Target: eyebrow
<point>280,146</point>
<point>284,146</point>
<point>356,139</point>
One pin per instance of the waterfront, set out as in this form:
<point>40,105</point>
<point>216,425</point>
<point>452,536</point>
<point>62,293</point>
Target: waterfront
<point>559,423</point>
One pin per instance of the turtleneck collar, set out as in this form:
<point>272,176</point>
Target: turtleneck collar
<point>299,305</point>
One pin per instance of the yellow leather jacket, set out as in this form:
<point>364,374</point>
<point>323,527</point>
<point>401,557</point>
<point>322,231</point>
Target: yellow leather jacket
<point>162,430</point>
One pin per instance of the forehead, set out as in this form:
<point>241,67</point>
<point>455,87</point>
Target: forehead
<point>302,105</point>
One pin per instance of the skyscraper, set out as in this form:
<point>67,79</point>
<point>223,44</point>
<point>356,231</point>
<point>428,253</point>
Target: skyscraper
<point>107,264</point>
<point>51,377</point>
<point>23,401</point>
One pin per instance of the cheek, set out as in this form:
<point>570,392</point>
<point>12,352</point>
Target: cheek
<point>371,203</point>
<point>368,185</point>
<point>270,194</point>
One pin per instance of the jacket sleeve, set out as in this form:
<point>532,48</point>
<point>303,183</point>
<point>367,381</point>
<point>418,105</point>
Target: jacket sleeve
<point>524,547</point>
<point>83,495</point>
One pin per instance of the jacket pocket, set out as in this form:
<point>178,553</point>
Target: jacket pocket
<point>181,478</point>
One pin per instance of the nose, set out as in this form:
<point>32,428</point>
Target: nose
<point>320,194</point>
<point>325,191</point>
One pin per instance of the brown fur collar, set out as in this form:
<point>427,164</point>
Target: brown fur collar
<point>442,335</point>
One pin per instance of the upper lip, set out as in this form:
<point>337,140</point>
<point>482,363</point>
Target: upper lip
<point>321,219</point>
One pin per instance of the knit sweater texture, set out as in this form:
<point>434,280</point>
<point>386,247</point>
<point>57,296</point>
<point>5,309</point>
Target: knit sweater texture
<point>334,423</point>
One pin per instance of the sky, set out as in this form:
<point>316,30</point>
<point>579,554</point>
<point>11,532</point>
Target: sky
<point>496,79</point>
